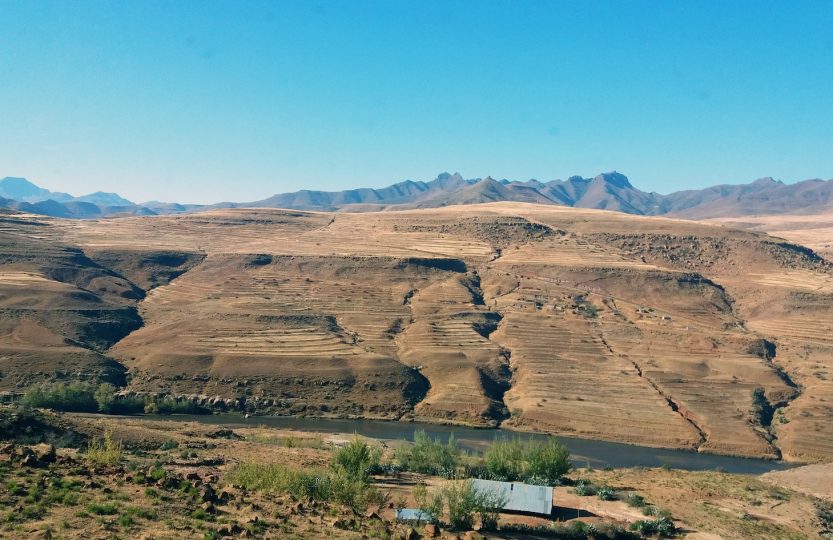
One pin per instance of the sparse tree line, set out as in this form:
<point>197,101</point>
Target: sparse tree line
<point>103,398</point>
<point>539,462</point>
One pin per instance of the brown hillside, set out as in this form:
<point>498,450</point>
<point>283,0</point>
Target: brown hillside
<point>583,322</point>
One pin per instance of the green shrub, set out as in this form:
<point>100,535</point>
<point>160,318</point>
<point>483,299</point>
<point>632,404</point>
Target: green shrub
<point>430,503</point>
<point>35,511</point>
<point>488,507</point>
<point>170,444</point>
<point>663,527</point>
<point>635,501</point>
<point>516,459</point>
<point>430,456</point>
<point>581,529</point>
<point>462,502</point>
<point>504,459</point>
<point>355,493</point>
<point>548,459</point>
<point>605,493</point>
<point>102,509</point>
<point>201,515</point>
<point>144,513</point>
<point>357,460</point>
<point>106,451</point>
<point>584,489</point>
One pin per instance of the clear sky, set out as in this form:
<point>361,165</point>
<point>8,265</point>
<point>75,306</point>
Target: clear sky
<point>205,101</point>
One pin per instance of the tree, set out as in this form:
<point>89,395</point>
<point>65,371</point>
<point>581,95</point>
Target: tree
<point>105,397</point>
<point>357,460</point>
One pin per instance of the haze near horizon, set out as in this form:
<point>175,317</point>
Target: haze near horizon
<point>218,101</point>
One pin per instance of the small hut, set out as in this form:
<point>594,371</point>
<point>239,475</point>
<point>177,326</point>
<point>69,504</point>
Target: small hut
<point>520,497</point>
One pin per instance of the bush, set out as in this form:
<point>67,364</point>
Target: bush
<point>516,459</point>
<point>463,503</point>
<point>355,493</point>
<point>102,509</point>
<point>663,527</point>
<point>429,503</point>
<point>461,500</point>
<point>605,493</point>
<point>549,459</point>
<point>170,444</point>
<point>584,488</point>
<point>106,451</point>
<point>488,506</point>
<point>635,501</point>
<point>430,456</point>
<point>504,459</point>
<point>357,460</point>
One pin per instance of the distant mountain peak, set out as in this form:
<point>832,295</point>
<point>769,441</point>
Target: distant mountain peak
<point>576,179</point>
<point>448,176</point>
<point>21,189</point>
<point>104,198</point>
<point>767,180</point>
<point>616,179</point>
<point>17,182</point>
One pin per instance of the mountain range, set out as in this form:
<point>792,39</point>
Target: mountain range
<point>608,191</point>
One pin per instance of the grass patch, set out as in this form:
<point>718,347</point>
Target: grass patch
<point>337,486</point>
<point>103,509</point>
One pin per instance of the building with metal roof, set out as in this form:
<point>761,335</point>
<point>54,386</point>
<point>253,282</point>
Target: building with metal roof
<point>519,497</point>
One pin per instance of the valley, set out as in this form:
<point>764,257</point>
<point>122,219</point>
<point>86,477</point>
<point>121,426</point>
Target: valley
<point>580,322</point>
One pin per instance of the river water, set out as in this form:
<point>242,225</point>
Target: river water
<point>584,452</point>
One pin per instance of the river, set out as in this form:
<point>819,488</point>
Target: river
<point>585,452</point>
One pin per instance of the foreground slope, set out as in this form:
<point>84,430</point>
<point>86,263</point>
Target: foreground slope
<point>583,322</point>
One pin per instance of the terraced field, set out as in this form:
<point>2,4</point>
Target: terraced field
<point>595,394</point>
<point>589,323</point>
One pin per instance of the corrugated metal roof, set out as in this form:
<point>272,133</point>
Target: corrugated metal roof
<point>411,514</point>
<point>520,497</point>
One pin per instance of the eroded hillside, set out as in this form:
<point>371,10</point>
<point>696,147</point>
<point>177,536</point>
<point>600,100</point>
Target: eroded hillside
<point>581,322</point>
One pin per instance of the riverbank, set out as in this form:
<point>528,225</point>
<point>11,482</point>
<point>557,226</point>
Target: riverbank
<point>127,500</point>
<point>585,452</point>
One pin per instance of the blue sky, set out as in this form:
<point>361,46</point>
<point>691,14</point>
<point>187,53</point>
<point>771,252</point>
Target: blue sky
<point>208,101</point>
